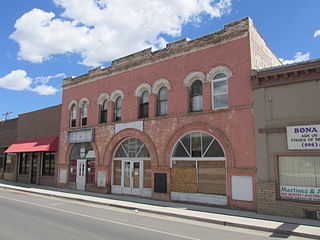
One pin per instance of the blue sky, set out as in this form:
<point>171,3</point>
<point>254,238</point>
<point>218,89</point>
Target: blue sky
<point>44,41</point>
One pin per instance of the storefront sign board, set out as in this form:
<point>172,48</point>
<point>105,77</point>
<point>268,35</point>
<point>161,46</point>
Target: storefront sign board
<point>300,193</point>
<point>303,137</point>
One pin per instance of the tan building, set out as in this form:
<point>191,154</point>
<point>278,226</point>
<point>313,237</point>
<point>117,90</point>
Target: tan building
<point>287,122</point>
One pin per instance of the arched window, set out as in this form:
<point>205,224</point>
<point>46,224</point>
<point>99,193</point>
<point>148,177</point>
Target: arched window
<point>73,116</point>
<point>162,101</point>
<point>200,159</point>
<point>83,151</point>
<point>84,113</point>
<point>117,109</point>
<point>144,105</point>
<point>104,111</point>
<point>220,91</point>
<point>196,96</point>
<point>132,167</point>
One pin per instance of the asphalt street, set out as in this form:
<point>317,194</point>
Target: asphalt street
<point>27,216</point>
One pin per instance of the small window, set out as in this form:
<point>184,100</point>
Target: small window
<point>117,109</point>
<point>48,165</point>
<point>24,163</point>
<point>196,96</point>
<point>144,105</point>
<point>84,114</point>
<point>162,101</point>
<point>220,91</point>
<point>73,115</point>
<point>104,112</point>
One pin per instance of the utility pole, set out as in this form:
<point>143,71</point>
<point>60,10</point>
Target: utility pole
<point>6,115</point>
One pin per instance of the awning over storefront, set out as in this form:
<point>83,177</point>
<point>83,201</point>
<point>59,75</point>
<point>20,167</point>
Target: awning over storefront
<point>45,144</point>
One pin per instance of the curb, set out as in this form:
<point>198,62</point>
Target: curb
<point>202,219</point>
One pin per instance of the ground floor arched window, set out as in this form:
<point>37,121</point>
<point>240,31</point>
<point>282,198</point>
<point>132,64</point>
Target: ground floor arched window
<point>131,168</point>
<point>198,165</point>
<point>82,165</point>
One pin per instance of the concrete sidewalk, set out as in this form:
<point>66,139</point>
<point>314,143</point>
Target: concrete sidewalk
<point>245,219</point>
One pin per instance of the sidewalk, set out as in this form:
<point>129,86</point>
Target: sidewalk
<point>238,218</point>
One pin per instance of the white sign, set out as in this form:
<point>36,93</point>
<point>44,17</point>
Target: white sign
<point>83,135</point>
<point>136,125</point>
<point>63,176</point>
<point>303,137</point>
<point>300,193</point>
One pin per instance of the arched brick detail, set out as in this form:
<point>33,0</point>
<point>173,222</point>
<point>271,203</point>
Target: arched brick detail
<point>204,127</point>
<point>70,147</point>
<point>128,133</point>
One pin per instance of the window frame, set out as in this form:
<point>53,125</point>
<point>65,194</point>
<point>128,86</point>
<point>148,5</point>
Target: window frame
<point>159,101</point>
<point>192,96</point>
<point>118,109</point>
<point>213,94</point>
<point>84,114</point>
<point>104,112</point>
<point>73,116</point>
<point>277,175</point>
<point>24,165</point>
<point>144,105</point>
<point>51,171</point>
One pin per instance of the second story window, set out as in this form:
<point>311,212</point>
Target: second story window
<point>104,112</point>
<point>196,96</point>
<point>73,116</point>
<point>144,105</point>
<point>220,91</point>
<point>162,101</point>
<point>84,113</point>
<point>117,109</point>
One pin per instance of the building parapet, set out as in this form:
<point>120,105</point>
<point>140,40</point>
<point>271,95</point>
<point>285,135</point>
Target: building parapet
<point>232,31</point>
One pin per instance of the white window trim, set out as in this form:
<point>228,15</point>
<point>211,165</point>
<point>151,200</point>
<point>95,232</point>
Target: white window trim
<point>218,94</point>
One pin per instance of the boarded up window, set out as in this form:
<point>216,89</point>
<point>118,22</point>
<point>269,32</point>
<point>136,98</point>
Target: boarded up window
<point>211,177</point>
<point>117,172</point>
<point>147,174</point>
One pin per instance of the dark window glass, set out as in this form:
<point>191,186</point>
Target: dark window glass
<point>117,109</point>
<point>84,114</point>
<point>104,112</point>
<point>144,105</point>
<point>24,163</point>
<point>48,165</point>
<point>196,96</point>
<point>162,102</point>
<point>73,115</point>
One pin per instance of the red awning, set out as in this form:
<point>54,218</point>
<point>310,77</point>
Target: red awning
<point>34,145</point>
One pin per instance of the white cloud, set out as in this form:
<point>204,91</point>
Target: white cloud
<point>19,81</point>
<point>316,33</point>
<point>299,57</point>
<point>45,90</point>
<point>103,30</point>
<point>16,80</point>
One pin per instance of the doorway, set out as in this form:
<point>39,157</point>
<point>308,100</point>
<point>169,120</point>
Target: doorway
<point>132,173</point>
<point>81,174</point>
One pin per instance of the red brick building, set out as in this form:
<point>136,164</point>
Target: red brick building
<point>171,124</point>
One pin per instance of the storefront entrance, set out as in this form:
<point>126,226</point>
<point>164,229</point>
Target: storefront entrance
<point>81,174</point>
<point>132,177</point>
<point>132,169</point>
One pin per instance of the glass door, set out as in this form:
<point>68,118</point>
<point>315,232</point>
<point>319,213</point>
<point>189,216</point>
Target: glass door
<point>132,177</point>
<point>34,167</point>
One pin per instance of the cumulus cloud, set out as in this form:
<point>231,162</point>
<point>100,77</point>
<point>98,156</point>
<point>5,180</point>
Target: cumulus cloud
<point>316,33</point>
<point>103,30</point>
<point>18,80</point>
<point>299,57</point>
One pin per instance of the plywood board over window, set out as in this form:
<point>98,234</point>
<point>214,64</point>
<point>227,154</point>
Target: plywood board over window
<point>184,180</point>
